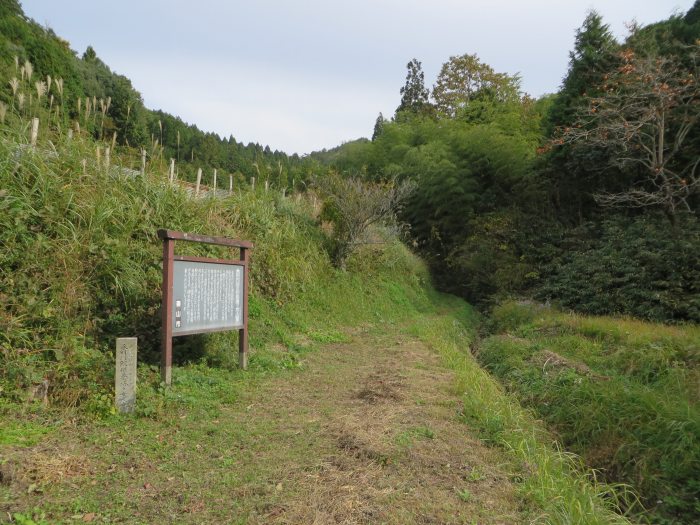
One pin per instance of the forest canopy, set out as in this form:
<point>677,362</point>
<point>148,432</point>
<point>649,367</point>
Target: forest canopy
<point>588,197</point>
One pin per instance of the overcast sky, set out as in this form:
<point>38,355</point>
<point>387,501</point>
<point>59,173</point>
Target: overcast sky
<point>302,76</point>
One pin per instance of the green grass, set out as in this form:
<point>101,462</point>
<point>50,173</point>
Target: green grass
<point>551,480</point>
<point>621,393</point>
<point>22,433</point>
<point>464,495</point>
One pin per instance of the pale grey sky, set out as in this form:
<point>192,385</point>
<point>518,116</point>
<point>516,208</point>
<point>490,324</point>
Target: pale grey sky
<point>301,76</point>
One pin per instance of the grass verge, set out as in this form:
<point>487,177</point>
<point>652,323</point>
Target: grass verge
<point>551,480</point>
<point>620,393</point>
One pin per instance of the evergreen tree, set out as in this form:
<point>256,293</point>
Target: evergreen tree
<point>414,94</point>
<point>592,57</point>
<point>573,173</point>
<point>378,127</point>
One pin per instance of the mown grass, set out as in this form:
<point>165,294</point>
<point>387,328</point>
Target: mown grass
<point>621,393</point>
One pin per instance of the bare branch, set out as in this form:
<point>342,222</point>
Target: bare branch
<point>352,206</point>
<point>649,107</point>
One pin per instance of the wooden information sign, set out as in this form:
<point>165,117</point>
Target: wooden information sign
<point>202,295</point>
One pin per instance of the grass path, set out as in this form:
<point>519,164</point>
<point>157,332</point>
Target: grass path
<point>365,431</point>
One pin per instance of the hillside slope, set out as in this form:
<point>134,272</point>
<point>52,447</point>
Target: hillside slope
<point>88,85</point>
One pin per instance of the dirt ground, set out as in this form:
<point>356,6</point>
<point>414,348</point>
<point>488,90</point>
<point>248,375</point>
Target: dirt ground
<point>367,432</point>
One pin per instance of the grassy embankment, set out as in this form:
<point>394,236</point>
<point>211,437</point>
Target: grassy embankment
<point>80,265</point>
<point>621,393</point>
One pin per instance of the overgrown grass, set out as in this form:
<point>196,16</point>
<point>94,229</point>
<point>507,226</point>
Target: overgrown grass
<point>81,265</point>
<point>551,480</point>
<point>621,393</point>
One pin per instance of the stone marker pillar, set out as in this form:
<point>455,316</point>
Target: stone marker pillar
<point>35,131</point>
<point>125,376</point>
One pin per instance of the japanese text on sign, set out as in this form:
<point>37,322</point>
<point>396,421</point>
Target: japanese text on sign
<point>206,297</point>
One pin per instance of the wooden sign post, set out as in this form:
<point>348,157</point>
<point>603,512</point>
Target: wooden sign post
<point>202,295</point>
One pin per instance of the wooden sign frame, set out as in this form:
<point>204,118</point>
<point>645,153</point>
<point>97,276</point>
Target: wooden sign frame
<point>169,237</point>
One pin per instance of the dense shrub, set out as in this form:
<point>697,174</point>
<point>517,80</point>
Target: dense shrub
<point>641,267</point>
<point>490,262</point>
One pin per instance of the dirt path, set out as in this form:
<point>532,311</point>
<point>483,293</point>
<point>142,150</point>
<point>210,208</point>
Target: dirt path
<point>366,432</point>
<point>394,450</point>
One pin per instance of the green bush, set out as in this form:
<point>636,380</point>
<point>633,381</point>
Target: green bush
<point>641,267</point>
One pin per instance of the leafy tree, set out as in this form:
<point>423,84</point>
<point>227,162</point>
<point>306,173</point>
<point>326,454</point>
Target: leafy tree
<point>414,95</point>
<point>11,7</point>
<point>462,77</point>
<point>462,172</point>
<point>89,55</point>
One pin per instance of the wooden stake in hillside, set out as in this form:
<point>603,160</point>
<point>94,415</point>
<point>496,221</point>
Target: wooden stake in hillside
<point>199,180</point>
<point>114,140</point>
<point>98,157</point>
<point>214,195</point>
<point>267,185</point>
<point>252,183</point>
<point>230,184</point>
<point>171,172</point>
<point>143,162</point>
<point>35,131</point>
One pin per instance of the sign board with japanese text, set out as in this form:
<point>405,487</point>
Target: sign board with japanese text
<point>207,297</point>
<point>201,294</point>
